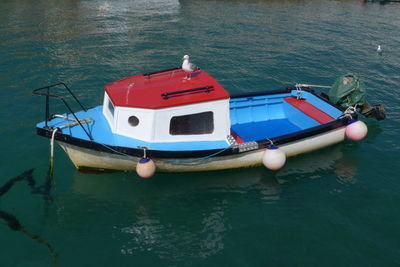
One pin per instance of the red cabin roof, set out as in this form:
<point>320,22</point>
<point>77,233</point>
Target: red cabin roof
<point>165,89</point>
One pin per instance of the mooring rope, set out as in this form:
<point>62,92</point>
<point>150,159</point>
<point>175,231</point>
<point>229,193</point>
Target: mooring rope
<point>76,122</point>
<point>52,150</point>
<point>53,134</point>
<point>63,117</point>
<point>349,112</point>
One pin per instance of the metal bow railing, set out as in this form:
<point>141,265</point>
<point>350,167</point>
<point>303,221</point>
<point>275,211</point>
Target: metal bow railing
<point>48,95</point>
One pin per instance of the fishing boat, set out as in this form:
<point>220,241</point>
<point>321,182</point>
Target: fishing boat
<point>167,121</point>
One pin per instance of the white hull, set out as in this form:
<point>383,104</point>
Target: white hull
<point>87,158</point>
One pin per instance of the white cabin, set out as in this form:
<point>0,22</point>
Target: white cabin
<point>167,107</point>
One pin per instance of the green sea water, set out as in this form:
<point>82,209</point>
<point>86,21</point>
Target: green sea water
<point>334,207</point>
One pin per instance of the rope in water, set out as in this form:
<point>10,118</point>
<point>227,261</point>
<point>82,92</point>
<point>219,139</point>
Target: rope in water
<point>52,150</point>
<point>53,134</point>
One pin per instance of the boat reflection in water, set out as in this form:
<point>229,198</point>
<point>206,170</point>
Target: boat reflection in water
<point>180,216</point>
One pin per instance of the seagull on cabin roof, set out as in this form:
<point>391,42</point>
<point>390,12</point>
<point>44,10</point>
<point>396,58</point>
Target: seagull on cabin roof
<point>188,67</point>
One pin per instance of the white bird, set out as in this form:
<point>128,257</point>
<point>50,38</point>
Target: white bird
<point>188,67</point>
<point>379,49</point>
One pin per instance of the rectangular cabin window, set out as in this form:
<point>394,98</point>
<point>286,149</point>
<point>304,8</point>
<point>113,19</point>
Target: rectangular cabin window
<point>111,107</point>
<point>199,123</point>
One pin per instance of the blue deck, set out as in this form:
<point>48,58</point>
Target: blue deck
<point>254,131</point>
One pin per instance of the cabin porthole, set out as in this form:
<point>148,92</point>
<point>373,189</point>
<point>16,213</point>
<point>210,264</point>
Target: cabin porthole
<point>133,121</point>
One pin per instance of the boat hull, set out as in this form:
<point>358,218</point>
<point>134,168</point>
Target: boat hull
<point>85,158</point>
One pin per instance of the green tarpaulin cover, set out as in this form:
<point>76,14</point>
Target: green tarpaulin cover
<point>347,91</point>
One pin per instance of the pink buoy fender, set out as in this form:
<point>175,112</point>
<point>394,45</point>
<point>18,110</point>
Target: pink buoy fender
<point>145,168</point>
<point>274,158</point>
<point>356,130</point>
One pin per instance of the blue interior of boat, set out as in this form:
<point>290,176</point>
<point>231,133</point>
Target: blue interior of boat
<point>268,116</point>
<point>252,131</point>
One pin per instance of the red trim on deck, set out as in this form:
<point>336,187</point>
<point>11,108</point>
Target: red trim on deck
<point>309,110</point>
<point>237,137</point>
<point>141,91</point>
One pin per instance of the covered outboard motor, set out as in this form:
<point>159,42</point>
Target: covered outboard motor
<point>349,91</point>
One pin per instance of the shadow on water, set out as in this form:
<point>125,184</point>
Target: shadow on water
<point>44,190</point>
